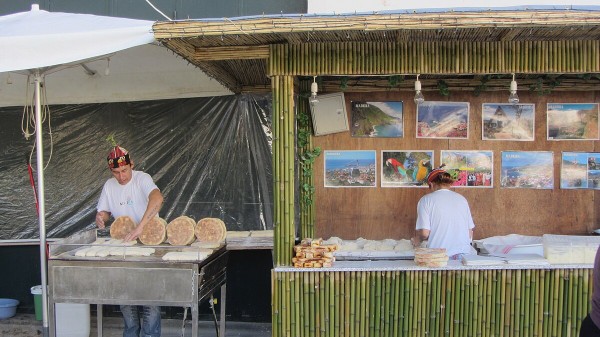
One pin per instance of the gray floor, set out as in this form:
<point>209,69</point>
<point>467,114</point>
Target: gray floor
<point>25,325</point>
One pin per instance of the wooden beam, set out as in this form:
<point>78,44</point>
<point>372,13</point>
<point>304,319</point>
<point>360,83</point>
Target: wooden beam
<point>231,53</point>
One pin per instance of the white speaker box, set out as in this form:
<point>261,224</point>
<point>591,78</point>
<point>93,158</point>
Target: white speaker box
<point>329,115</point>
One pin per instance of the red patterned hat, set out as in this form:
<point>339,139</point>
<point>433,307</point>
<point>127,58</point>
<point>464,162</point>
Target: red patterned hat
<point>118,157</point>
<point>435,173</point>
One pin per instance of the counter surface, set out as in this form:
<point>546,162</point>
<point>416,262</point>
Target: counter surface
<point>410,265</point>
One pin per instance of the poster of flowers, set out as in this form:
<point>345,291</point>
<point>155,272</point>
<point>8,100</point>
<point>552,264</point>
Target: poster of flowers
<point>580,170</point>
<point>569,121</point>
<point>350,168</point>
<point>469,168</point>
<point>503,121</point>
<point>377,119</point>
<point>443,120</point>
<point>527,169</point>
<point>405,168</point>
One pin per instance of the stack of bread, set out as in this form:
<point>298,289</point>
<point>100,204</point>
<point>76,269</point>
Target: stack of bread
<point>312,253</point>
<point>431,257</point>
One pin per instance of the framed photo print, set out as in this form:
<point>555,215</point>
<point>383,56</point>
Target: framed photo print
<point>469,168</point>
<point>527,169</point>
<point>572,121</point>
<point>580,170</point>
<point>504,121</point>
<point>350,168</point>
<point>405,168</point>
<point>377,119</point>
<point>443,120</point>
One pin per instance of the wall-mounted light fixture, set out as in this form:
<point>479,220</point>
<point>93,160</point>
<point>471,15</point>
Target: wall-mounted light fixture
<point>107,70</point>
<point>314,88</point>
<point>513,98</point>
<point>418,95</point>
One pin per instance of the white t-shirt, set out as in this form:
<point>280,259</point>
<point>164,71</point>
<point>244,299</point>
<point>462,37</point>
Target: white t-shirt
<point>130,199</point>
<point>448,216</point>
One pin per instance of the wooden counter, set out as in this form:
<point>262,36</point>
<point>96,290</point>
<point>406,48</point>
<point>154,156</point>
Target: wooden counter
<point>398,298</point>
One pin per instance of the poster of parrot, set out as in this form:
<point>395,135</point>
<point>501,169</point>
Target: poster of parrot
<point>405,168</point>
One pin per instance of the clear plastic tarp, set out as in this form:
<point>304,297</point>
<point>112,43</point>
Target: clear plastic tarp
<point>211,157</point>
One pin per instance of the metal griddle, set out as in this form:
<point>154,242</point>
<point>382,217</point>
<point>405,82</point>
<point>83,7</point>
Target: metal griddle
<point>132,280</point>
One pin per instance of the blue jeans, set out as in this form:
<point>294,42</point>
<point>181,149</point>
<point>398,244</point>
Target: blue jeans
<point>150,326</point>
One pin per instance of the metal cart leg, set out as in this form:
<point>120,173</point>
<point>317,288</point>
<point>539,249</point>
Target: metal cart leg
<point>51,317</point>
<point>222,318</point>
<point>194,309</point>
<point>99,318</point>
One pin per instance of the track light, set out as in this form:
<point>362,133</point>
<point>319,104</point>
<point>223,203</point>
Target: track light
<point>418,95</point>
<point>314,88</point>
<point>513,98</point>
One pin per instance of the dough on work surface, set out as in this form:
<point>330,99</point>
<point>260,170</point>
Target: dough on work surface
<point>403,245</point>
<point>262,234</point>
<point>210,230</point>
<point>155,232</point>
<point>184,256</point>
<point>206,245</point>
<point>122,226</point>
<point>334,240</point>
<point>180,231</point>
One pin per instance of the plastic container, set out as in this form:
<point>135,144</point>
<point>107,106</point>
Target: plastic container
<point>8,307</point>
<point>568,249</point>
<point>36,291</point>
<point>72,320</point>
<point>511,244</point>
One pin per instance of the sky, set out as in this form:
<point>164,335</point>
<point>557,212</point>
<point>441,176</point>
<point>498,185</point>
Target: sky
<point>338,6</point>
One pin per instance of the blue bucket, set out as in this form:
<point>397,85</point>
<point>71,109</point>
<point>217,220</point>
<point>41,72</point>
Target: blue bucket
<point>8,307</point>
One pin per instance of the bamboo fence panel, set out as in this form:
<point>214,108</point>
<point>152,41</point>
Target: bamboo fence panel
<point>434,57</point>
<point>521,302</point>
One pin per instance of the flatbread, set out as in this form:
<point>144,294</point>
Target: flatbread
<point>180,231</point>
<point>211,230</point>
<point>155,232</point>
<point>122,226</point>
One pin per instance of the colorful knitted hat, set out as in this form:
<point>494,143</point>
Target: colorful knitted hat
<point>118,157</point>
<point>435,173</point>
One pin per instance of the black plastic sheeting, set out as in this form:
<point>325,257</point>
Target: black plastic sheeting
<point>211,157</point>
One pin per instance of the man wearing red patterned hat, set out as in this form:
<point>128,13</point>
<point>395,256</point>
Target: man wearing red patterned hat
<point>134,194</point>
<point>444,217</point>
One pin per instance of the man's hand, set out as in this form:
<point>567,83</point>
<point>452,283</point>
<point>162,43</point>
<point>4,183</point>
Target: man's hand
<point>101,219</point>
<point>133,235</point>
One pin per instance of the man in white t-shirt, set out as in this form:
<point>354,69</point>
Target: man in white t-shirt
<point>131,193</point>
<point>444,217</point>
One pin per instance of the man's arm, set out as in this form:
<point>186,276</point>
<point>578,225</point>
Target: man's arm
<point>420,236</point>
<point>101,218</point>
<point>155,201</point>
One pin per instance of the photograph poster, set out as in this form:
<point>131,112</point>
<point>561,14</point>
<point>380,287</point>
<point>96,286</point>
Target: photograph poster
<point>469,168</point>
<point>405,168</point>
<point>569,121</point>
<point>350,168</point>
<point>443,120</point>
<point>527,169</point>
<point>580,170</point>
<point>377,119</point>
<point>504,121</point>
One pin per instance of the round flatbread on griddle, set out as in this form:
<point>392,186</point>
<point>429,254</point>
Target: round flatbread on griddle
<point>155,232</point>
<point>122,226</point>
<point>180,231</point>
<point>211,230</point>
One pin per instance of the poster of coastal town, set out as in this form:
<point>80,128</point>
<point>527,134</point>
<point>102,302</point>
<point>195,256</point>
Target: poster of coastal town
<point>503,121</point>
<point>405,168</point>
<point>443,120</point>
<point>527,169</point>
<point>377,119</point>
<point>580,170</point>
<point>572,121</point>
<point>350,169</point>
<point>469,168</point>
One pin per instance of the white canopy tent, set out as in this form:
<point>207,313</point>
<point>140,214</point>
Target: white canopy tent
<point>38,43</point>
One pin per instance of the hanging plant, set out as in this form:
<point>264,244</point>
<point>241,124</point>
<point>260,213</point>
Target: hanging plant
<point>482,86</point>
<point>395,80</point>
<point>443,88</point>
<point>344,83</point>
<point>307,160</point>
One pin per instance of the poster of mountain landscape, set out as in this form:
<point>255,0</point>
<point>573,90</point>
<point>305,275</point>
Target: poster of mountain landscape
<point>350,168</point>
<point>527,169</point>
<point>580,170</point>
<point>504,121</point>
<point>569,121</point>
<point>377,119</point>
<point>405,168</point>
<point>469,168</point>
<point>443,120</point>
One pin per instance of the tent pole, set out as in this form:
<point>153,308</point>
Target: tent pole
<point>42,203</point>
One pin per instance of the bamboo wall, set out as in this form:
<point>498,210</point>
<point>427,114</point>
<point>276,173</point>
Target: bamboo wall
<point>379,213</point>
<point>498,303</point>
